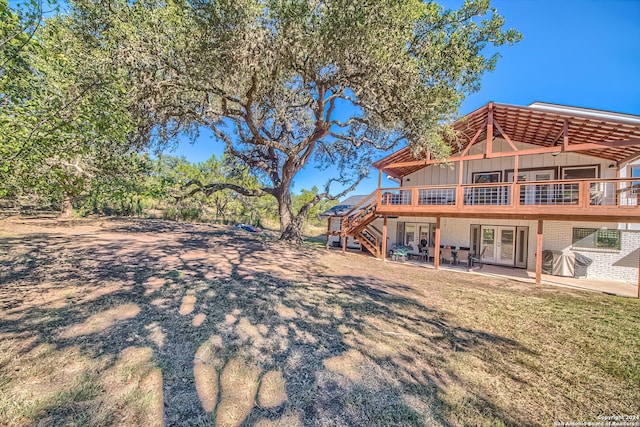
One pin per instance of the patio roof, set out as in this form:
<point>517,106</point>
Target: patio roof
<point>539,124</point>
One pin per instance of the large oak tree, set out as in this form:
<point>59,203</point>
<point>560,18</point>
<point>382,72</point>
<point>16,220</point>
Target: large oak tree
<point>288,83</point>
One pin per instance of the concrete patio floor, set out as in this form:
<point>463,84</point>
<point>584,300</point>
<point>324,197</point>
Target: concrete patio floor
<point>611,287</point>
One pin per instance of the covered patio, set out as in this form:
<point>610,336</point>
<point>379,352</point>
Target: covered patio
<point>611,287</point>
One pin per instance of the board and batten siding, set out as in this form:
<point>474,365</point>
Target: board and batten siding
<point>448,174</point>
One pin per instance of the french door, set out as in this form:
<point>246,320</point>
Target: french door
<point>498,244</point>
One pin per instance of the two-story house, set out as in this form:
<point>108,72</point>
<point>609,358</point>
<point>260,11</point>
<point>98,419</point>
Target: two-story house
<point>521,180</point>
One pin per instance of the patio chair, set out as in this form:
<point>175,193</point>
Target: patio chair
<point>463,255</point>
<point>477,260</point>
<point>423,250</point>
<point>445,255</point>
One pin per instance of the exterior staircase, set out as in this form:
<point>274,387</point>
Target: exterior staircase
<point>357,223</point>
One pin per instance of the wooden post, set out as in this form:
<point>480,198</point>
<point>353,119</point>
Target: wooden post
<point>490,130</point>
<point>515,181</point>
<point>384,239</point>
<point>539,253</point>
<point>584,195</point>
<point>380,178</point>
<point>565,136</point>
<point>328,230</point>
<point>343,234</point>
<point>460,171</point>
<point>436,255</point>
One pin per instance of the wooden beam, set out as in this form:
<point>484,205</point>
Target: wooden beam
<point>406,164</point>
<point>547,212</point>
<point>565,135</point>
<point>619,143</point>
<point>433,161</point>
<point>557,138</point>
<point>629,159</point>
<point>506,137</point>
<point>539,253</point>
<point>436,255</point>
<point>473,140</point>
<point>489,148</point>
<point>527,152</point>
<point>380,178</point>
<point>384,239</point>
<point>460,171</point>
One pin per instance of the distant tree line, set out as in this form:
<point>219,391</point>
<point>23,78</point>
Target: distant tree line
<point>155,187</point>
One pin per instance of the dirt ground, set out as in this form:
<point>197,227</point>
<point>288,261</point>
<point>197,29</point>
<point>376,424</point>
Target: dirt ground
<point>149,322</point>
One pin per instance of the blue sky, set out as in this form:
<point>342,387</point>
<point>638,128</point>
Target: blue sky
<point>583,53</point>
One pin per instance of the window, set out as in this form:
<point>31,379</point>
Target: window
<point>635,172</point>
<point>486,177</point>
<point>596,238</point>
<point>409,234</point>
<point>579,172</point>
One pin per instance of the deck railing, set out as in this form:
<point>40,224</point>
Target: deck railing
<point>585,193</point>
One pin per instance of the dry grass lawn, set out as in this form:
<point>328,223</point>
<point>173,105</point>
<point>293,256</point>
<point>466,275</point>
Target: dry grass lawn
<point>139,322</point>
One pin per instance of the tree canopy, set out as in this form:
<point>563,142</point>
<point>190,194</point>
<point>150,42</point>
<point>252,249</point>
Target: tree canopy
<point>64,120</point>
<point>281,83</point>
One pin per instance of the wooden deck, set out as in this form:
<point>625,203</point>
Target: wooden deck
<point>608,200</point>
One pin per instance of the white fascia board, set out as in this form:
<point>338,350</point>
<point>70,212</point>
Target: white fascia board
<point>596,114</point>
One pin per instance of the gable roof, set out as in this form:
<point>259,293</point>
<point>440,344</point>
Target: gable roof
<point>539,124</point>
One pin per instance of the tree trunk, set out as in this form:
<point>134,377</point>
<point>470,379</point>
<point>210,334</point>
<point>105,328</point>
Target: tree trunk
<point>65,211</point>
<point>290,226</point>
<point>292,232</point>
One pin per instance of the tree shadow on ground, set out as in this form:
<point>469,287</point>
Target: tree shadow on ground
<point>237,329</point>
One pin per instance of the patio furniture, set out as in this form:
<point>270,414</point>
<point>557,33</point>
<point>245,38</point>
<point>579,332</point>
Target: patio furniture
<point>399,253</point>
<point>423,250</point>
<point>475,259</point>
<point>445,254</point>
<point>463,255</point>
<point>454,256</point>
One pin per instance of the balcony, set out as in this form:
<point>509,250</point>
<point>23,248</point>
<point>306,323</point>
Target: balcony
<point>614,200</point>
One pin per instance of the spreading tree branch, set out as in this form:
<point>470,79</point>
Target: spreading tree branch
<point>219,186</point>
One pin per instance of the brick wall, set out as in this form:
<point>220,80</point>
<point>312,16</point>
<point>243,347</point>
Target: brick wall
<point>607,263</point>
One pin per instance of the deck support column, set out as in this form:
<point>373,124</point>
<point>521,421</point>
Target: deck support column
<point>514,201</point>
<point>489,147</point>
<point>380,178</point>
<point>384,239</point>
<point>539,253</point>
<point>328,230</point>
<point>344,241</point>
<point>436,245</point>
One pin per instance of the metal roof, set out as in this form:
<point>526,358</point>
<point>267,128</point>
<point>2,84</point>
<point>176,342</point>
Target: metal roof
<point>345,206</point>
